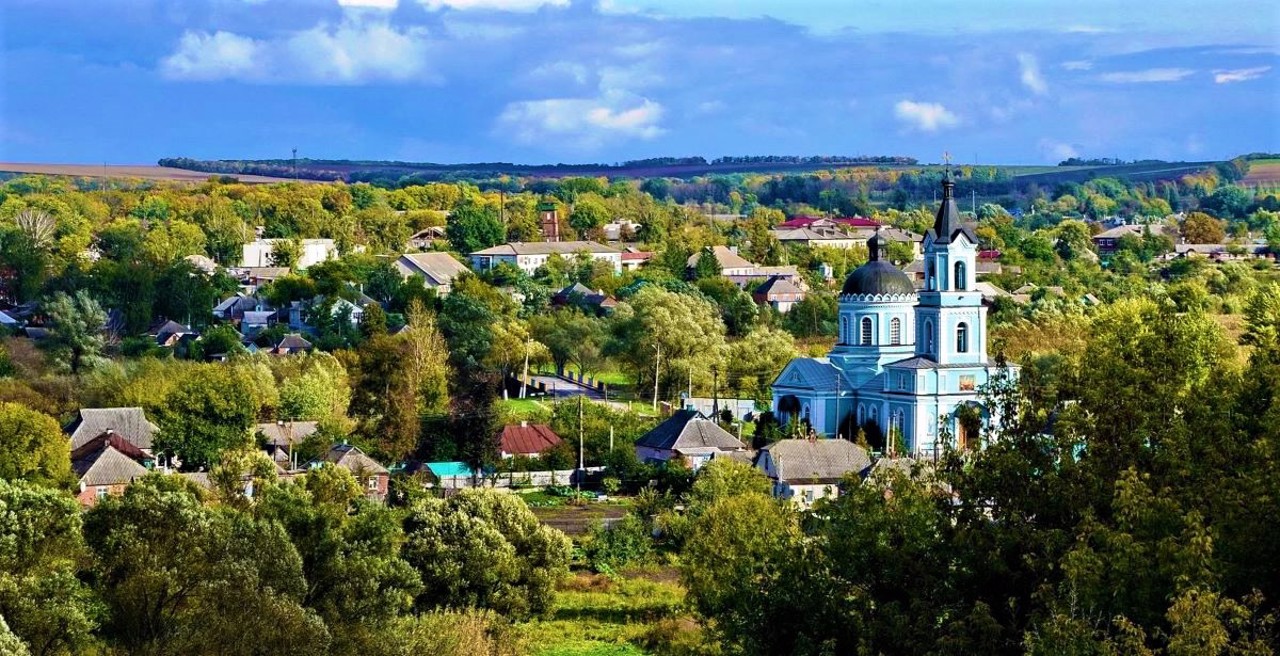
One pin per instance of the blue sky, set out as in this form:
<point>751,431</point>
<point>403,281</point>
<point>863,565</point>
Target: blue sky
<point>1010,81</point>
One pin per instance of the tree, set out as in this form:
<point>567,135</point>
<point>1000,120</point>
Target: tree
<point>474,226</point>
<point>480,549</point>
<point>180,577</point>
<point>349,548</point>
<point>1073,239</point>
<point>570,336</point>
<point>738,566</point>
<point>75,337</point>
<point>589,214</point>
<point>286,253</point>
<point>757,359</point>
<point>33,447</point>
<point>210,411</point>
<point>670,335</point>
<point>1200,228</point>
<point>42,599</point>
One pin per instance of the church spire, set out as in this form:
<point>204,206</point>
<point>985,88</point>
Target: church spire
<point>876,245</point>
<point>948,220</point>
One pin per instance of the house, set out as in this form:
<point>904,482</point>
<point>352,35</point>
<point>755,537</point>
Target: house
<point>805,470</point>
<point>633,259</point>
<point>526,440</point>
<point>290,344</point>
<point>105,465</point>
<point>233,308</point>
<point>373,477</point>
<point>424,238</point>
<point>583,297</point>
<point>620,230</point>
<point>838,233</point>
<point>908,364</point>
<point>202,263</point>
<point>1108,241</point>
<point>778,293</point>
<point>259,252</point>
<point>437,270</point>
<point>167,333</point>
<point>279,438</point>
<point>528,256</point>
<point>848,221</point>
<point>688,436</point>
<point>130,424</point>
<point>1223,252</point>
<point>731,264</point>
<point>257,276</point>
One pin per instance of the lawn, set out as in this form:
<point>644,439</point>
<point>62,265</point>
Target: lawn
<point>642,612</point>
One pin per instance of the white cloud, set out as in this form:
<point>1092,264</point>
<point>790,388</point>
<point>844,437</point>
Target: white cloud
<point>495,5</point>
<point>369,4</point>
<point>924,116</point>
<point>1086,29</point>
<point>1148,75</point>
<point>217,56</point>
<point>1032,78</point>
<point>1239,75</point>
<point>1078,65</point>
<point>1056,150</point>
<point>710,107</point>
<point>352,52</point>
<point>582,123</point>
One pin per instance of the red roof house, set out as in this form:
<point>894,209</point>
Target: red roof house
<point>526,440</point>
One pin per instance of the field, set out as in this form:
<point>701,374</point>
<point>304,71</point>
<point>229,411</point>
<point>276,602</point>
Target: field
<point>1136,172</point>
<point>639,612</point>
<point>141,171</point>
<point>1263,172</point>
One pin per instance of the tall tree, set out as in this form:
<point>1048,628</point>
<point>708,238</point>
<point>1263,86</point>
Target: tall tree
<point>33,447</point>
<point>76,323</point>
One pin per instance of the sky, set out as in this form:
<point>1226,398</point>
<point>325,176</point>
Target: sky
<point>547,81</point>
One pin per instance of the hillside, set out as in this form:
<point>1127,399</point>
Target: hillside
<point>141,171</point>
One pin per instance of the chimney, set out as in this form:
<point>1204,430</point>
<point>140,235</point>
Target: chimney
<point>524,424</point>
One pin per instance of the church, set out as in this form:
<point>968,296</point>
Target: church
<point>908,365</point>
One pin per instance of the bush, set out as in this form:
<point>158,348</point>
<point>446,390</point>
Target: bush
<point>627,542</point>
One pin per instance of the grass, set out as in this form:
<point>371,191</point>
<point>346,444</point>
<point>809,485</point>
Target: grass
<point>529,409</point>
<point>594,615</point>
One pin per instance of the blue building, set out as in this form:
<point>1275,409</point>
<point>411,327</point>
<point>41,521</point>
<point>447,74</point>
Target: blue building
<point>908,365</point>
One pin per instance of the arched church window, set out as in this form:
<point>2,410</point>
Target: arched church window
<point>895,331</point>
<point>962,338</point>
<point>960,280</point>
<point>928,275</point>
<point>928,336</point>
<point>866,330</point>
<point>844,330</point>
<point>861,414</point>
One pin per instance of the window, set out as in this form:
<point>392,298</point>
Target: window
<point>895,331</point>
<point>960,282</point>
<point>928,336</point>
<point>866,330</point>
<point>861,412</point>
<point>844,330</point>
<point>962,338</point>
<point>902,381</point>
<point>928,275</point>
<point>373,483</point>
<point>101,491</point>
<point>967,383</point>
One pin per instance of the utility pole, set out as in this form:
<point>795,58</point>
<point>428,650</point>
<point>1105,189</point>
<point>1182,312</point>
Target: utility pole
<point>838,417</point>
<point>715,392</point>
<point>657,365</point>
<point>610,438</point>
<point>524,379</point>
<point>974,203</point>
<point>580,442</point>
<point>295,164</point>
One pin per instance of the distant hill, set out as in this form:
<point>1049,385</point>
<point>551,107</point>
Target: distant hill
<point>392,172</point>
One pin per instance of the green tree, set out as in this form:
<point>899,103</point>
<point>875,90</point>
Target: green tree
<point>756,360</point>
<point>474,226</point>
<point>210,411</point>
<point>33,447</point>
<point>75,337</point>
<point>181,578</point>
<point>589,215</point>
<point>480,549</point>
<point>41,597</point>
<point>670,335</point>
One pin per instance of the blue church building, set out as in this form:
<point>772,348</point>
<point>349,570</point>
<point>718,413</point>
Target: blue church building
<point>908,364</point>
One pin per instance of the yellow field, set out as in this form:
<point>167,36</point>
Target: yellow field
<point>140,171</point>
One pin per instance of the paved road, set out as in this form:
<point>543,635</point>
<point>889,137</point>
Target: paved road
<point>560,387</point>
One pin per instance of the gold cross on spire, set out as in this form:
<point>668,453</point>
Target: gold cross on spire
<point>946,159</point>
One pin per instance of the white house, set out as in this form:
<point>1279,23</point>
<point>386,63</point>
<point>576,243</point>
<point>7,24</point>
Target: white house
<point>806,470</point>
<point>257,253</point>
<point>528,256</point>
<point>437,270</point>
